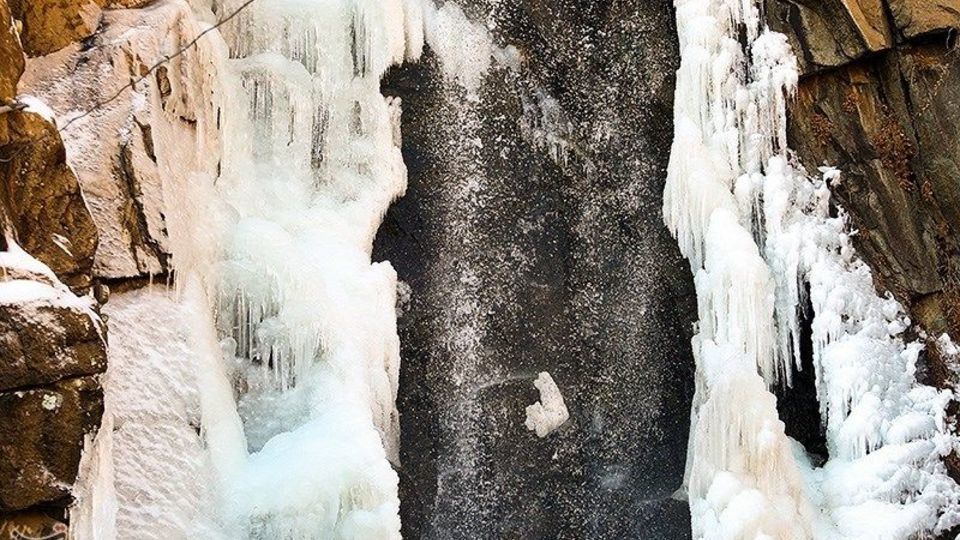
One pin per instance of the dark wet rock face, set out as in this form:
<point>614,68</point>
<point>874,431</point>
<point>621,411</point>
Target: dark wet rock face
<point>531,238</point>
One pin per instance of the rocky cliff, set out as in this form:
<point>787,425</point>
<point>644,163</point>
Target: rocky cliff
<point>52,341</point>
<point>880,100</point>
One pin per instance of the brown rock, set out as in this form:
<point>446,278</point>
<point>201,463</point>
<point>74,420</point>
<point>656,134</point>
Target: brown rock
<point>122,172</point>
<point>11,56</point>
<point>48,524</point>
<point>41,439</point>
<point>891,124</point>
<point>917,17</point>
<point>11,64</point>
<point>42,344</point>
<point>830,33</point>
<point>50,25</point>
<point>44,201</point>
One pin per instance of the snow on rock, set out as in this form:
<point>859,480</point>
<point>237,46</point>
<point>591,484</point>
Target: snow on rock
<point>152,477</point>
<point>37,106</point>
<point>759,233</point>
<point>125,150</point>
<point>548,414</point>
<point>53,348</point>
<point>28,283</point>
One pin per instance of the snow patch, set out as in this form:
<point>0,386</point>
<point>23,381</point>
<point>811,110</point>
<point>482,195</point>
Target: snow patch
<point>548,414</point>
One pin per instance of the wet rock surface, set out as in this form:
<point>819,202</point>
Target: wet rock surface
<point>531,240</point>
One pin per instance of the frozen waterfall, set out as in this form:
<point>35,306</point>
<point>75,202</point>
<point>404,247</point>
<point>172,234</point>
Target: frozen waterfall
<point>289,327</point>
<point>308,325</point>
<point>270,371</point>
<point>759,233</point>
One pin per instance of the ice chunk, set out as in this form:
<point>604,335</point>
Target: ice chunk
<point>548,414</point>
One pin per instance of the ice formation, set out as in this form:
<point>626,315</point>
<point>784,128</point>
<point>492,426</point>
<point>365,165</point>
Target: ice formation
<point>288,327</point>
<point>758,233</point>
<point>548,414</point>
<point>155,476</point>
<point>307,324</point>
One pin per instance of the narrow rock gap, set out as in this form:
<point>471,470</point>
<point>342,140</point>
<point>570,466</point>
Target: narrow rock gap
<point>798,405</point>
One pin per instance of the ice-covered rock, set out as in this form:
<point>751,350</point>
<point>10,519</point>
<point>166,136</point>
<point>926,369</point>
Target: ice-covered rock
<point>130,153</point>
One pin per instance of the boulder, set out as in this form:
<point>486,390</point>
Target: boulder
<point>136,148</point>
<point>830,33</point>
<point>41,438</point>
<point>43,343</point>
<point>43,199</point>
<point>833,33</point>
<point>50,25</point>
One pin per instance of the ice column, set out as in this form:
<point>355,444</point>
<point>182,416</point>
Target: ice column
<point>311,161</point>
<point>758,233</point>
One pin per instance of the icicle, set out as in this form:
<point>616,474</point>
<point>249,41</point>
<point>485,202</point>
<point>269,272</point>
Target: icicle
<point>758,234</point>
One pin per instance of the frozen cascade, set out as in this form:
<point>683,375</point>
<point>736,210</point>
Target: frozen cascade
<point>758,232</point>
<point>311,162</point>
<point>279,339</point>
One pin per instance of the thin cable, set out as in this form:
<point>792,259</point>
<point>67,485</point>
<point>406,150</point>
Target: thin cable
<point>100,104</point>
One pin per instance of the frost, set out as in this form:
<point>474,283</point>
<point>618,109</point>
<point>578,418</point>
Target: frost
<point>465,49</point>
<point>29,283</point>
<point>548,414</point>
<point>37,106</point>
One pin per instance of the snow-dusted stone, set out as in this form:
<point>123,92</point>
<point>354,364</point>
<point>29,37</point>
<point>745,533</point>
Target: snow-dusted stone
<point>128,150</point>
<point>41,437</point>
<point>41,343</point>
<point>51,350</point>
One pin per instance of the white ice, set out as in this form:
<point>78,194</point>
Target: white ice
<point>758,233</point>
<point>548,414</point>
